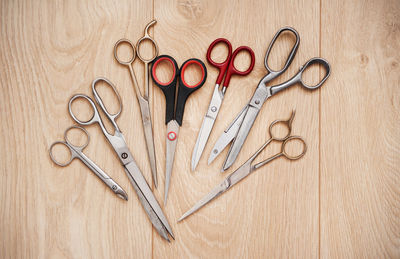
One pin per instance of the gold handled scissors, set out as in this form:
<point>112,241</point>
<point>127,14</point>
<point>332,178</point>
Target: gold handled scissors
<point>76,151</point>
<point>247,168</point>
<point>142,98</point>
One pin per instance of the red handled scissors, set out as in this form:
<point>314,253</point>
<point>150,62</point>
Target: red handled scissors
<point>226,69</point>
<point>174,116</point>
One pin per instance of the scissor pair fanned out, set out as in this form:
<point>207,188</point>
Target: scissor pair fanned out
<point>174,113</point>
<point>248,167</point>
<point>226,69</point>
<point>118,143</point>
<point>76,151</point>
<point>240,127</point>
<point>143,99</point>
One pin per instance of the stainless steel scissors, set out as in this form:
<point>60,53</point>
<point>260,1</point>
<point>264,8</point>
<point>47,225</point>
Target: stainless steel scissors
<point>117,141</point>
<point>142,99</point>
<point>174,116</point>
<point>247,168</point>
<point>76,151</point>
<point>226,69</point>
<point>240,127</point>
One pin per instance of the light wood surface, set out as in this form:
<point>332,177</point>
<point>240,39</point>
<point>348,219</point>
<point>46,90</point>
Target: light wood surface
<point>340,201</point>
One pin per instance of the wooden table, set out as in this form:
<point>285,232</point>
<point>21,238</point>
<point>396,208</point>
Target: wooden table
<point>340,201</point>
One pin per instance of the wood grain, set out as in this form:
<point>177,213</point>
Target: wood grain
<point>340,201</point>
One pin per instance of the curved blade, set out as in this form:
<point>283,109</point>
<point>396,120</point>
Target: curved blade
<point>149,202</point>
<point>172,139</point>
<point>228,135</point>
<point>148,134</point>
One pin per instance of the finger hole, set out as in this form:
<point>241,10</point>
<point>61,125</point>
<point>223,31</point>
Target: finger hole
<point>282,47</point>
<point>242,61</point>
<point>124,48</point>
<point>77,137</point>
<point>108,96</point>
<point>220,52</point>
<point>312,71</point>
<point>147,49</point>
<point>294,148</point>
<point>81,109</point>
<point>164,71</point>
<point>60,153</point>
<point>192,74</point>
<point>279,130</point>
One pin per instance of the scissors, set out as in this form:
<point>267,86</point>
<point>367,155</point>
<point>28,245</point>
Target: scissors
<point>76,151</point>
<point>247,168</point>
<point>173,119</point>
<point>142,99</point>
<point>240,127</point>
<point>227,69</point>
<point>117,141</point>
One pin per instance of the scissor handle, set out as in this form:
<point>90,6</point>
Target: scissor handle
<point>298,77</point>
<point>186,89</point>
<point>119,43</point>
<point>95,117</point>
<point>112,117</point>
<point>287,123</point>
<point>275,73</point>
<point>168,88</point>
<point>228,65</point>
<point>147,37</point>
<point>223,66</point>
<point>286,154</point>
<point>73,149</point>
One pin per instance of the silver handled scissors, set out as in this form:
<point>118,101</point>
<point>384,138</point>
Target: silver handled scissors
<point>240,127</point>
<point>117,141</point>
<point>143,99</point>
<point>248,167</point>
<point>226,69</point>
<point>76,151</point>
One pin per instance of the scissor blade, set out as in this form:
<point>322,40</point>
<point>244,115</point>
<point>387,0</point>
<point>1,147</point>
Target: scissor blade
<point>202,139</point>
<point>241,136</point>
<point>149,202</point>
<point>148,134</point>
<point>207,125</point>
<point>221,188</point>
<point>228,135</point>
<point>172,139</point>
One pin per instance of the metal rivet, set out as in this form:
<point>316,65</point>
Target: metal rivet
<point>257,101</point>
<point>213,109</point>
<point>215,151</point>
<point>124,155</point>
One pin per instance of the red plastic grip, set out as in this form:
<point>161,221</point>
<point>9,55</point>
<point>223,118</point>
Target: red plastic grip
<point>203,73</point>
<point>154,67</point>
<point>231,68</point>
<point>223,65</point>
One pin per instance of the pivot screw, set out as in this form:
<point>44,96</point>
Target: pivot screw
<point>124,155</point>
<point>257,101</point>
<point>213,109</point>
<point>215,151</point>
<point>114,187</point>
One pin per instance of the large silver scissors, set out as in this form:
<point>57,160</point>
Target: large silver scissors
<point>76,151</point>
<point>240,127</point>
<point>117,141</point>
<point>247,168</point>
<point>143,99</point>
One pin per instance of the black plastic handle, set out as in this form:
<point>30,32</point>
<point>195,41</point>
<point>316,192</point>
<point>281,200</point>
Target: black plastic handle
<point>185,89</point>
<point>168,88</point>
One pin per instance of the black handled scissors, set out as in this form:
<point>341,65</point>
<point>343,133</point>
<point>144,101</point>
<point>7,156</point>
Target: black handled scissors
<point>174,115</point>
